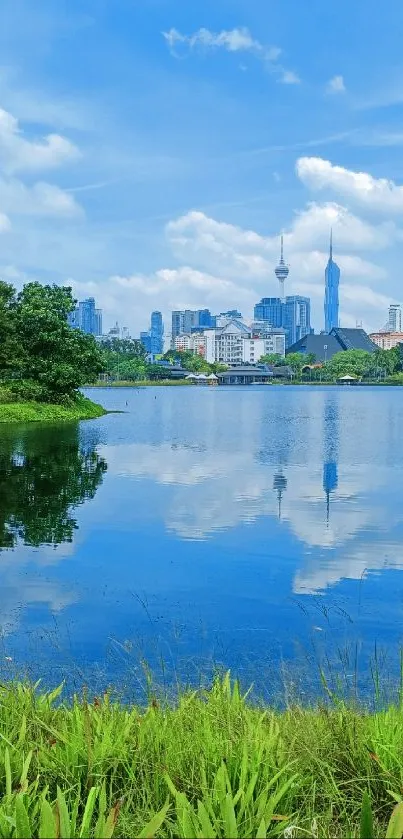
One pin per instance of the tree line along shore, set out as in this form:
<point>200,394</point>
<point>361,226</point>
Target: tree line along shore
<point>44,361</point>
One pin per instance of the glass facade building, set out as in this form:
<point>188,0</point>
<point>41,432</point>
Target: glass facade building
<point>292,314</point>
<point>332,279</point>
<point>86,317</point>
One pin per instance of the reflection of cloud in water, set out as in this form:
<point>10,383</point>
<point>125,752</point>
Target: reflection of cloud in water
<point>22,585</point>
<point>210,492</point>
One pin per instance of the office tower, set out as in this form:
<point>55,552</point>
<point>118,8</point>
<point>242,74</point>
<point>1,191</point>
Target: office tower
<point>296,318</point>
<point>86,317</point>
<point>270,309</point>
<point>185,321</point>
<point>178,320</point>
<point>98,322</point>
<point>145,339</point>
<point>293,314</point>
<point>282,271</point>
<point>395,318</point>
<point>332,279</point>
<point>156,333</point>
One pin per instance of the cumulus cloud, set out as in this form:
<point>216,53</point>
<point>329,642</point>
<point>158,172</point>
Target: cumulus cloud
<point>41,199</point>
<point>377,194</point>
<point>231,40</point>
<point>17,153</point>
<point>336,85</point>
<point>220,265</point>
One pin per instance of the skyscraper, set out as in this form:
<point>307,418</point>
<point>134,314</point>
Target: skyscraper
<point>332,278</point>
<point>184,321</point>
<point>86,317</point>
<point>395,318</point>
<point>296,318</point>
<point>157,333</point>
<point>293,314</point>
<point>282,271</point>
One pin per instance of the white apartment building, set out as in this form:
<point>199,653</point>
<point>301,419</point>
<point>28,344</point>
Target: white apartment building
<point>387,340</point>
<point>234,344</point>
<point>195,343</point>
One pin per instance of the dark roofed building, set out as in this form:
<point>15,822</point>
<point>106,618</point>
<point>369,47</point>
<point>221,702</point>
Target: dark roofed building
<point>324,347</point>
<point>353,339</point>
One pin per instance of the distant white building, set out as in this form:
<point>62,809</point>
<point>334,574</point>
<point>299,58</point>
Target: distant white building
<point>194,342</point>
<point>235,344</point>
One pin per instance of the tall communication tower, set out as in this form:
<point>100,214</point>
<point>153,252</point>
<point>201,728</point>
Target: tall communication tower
<point>282,271</point>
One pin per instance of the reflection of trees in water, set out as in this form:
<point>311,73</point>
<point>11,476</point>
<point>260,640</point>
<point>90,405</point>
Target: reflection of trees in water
<point>45,472</point>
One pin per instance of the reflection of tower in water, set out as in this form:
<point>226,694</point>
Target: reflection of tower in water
<point>330,451</point>
<point>279,485</point>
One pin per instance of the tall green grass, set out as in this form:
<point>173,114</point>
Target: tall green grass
<point>210,765</point>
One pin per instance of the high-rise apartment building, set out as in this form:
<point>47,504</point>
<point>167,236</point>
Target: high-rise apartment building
<point>332,279</point>
<point>395,318</point>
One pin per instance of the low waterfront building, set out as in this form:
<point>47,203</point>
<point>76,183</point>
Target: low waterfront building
<point>248,375</point>
<point>387,340</point>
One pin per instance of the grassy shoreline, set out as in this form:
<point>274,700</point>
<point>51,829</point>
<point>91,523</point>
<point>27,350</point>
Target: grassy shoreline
<point>210,765</point>
<point>22,412</point>
<point>144,383</point>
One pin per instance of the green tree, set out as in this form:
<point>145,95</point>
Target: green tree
<point>272,359</point>
<point>10,348</point>
<point>56,359</point>
<point>124,359</point>
<point>350,363</point>
<point>296,361</point>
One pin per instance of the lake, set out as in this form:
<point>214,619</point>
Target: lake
<point>252,528</point>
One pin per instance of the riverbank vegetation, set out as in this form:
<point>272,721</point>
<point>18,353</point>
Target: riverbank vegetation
<point>79,409</point>
<point>209,765</point>
<point>125,360</point>
<point>43,361</point>
<point>381,366</point>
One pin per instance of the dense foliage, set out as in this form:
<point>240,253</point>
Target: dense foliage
<point>41,356</point>
<point>377,366</point>
<point>126,360</point>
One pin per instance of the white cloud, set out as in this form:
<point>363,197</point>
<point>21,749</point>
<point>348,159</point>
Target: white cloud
<point>336,85</point>
<point>20,154</point>
<point>288,77</point>
<point>220,265</point>
<point>377,194</point>
<point>41,199</point>
<point>231,40</point>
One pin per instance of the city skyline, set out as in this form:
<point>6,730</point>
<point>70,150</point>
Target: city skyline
<point>106,189</point>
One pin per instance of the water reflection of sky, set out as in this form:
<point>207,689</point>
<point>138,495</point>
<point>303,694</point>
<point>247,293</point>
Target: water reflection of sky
<point>248,520</point>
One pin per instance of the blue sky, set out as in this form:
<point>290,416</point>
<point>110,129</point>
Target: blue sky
<point>151,152</point>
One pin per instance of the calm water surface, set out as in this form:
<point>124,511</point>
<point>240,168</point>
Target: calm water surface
<point>255,528</point>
